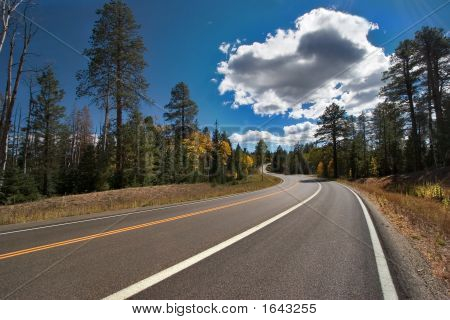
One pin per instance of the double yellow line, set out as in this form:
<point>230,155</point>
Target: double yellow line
<point>135,227</point>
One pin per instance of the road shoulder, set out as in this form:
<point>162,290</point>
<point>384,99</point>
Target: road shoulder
<point>410,271</point>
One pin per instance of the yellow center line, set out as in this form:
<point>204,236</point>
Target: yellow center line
<point>135,227</point>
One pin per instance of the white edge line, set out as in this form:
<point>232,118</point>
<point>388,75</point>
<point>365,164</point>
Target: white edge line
<point>387,285</point>
<point>136,212</point>
<point>164,274</point>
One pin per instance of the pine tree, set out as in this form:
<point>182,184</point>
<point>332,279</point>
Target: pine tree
<point>279,161</point>
<point>401,87</point>
<point>86,171</point>
<point>362,136</point>
<point>387,124</point>
<point>215,164</point>
<point>181,111</point>
<point>139,147</point>
<point>18,187</point>
<point>433,53</point>
<point>66,176</point>
<point>105,151</point>
<point>332,127</point>
<point>260,155</point>
<point>47,117</point>
<point>115,70</point>
<point>164,156</point>
<point>298,162</point>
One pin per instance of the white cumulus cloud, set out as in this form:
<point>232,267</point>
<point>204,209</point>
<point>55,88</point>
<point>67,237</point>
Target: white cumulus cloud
<point>297,133</point>
<point>326,58</point>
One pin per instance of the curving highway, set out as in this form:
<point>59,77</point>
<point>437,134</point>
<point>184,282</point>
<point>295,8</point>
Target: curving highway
<point>301,239</point>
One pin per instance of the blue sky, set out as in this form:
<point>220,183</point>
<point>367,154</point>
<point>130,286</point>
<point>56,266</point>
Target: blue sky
<point>183,37</point>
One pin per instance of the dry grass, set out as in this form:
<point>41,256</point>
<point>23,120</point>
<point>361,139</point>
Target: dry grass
<point>75,205</point>
<point>423,204</point>
<point>419,215</point>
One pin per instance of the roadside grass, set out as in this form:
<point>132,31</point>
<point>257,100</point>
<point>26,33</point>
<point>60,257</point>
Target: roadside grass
<point>129,198</point>
<point>419,211</point>
<point>423,205</point>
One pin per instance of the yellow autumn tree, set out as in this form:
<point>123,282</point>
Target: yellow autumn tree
<point>320,169</point>
<point>373,168</point>
<point>247,163</point>
<point>330,169</point>
<point>224,151</point>
<point>197,145</point>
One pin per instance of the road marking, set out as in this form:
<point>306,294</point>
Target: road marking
<point>135,227</point>
<point>387,285</point>
<point>132,213</point>
<point>164,274</point>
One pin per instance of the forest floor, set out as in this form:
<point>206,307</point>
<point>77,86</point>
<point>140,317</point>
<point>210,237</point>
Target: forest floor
<point>129,198</point>
<point>417,205</point>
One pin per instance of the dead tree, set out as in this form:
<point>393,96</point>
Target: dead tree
<point>13,75</point>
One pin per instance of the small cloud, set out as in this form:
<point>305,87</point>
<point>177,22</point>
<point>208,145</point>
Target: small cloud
<point>224,47</point>
<point>209,22</point>
<point>374,26</point>
<point>213,80</point>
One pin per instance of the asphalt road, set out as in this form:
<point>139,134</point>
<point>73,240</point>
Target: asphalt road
<point>320,247</point>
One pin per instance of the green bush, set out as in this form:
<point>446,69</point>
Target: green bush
<point>18,187</point>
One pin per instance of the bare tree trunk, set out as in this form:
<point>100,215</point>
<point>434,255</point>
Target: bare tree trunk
<point>16,138</point>
<point>119,149</point>
<point>106,125</point>
<point>28,129</point>
<point>4,163</point>
<point>385,158</point>
<point>335,158</point>
<point>430,124</point>
<point>415,137</point>
<point>7,8</point>
<point>45,189</point>
<point>73,136</point>
<point>5,120</point>
<point>10,95</point>
<point>119,118</point>
<point>366,167</point>
<point>138,152</point>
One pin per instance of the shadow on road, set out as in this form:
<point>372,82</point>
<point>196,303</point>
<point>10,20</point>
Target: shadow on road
<point>312,179</point>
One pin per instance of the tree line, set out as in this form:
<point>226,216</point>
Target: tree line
<point>408,131</point>
<point>46,151</point>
